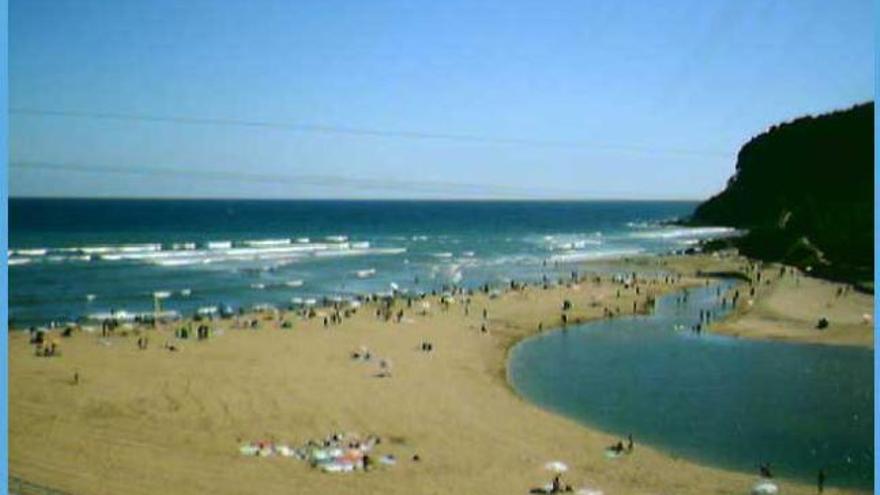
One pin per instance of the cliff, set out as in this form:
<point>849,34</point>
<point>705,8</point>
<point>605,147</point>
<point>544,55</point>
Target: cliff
<point>804,191</point>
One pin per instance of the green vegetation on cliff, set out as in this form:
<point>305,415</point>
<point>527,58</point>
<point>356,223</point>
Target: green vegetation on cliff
<point>804,190</point>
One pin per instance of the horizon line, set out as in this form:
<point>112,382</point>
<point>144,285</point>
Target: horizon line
<point>351,199</point>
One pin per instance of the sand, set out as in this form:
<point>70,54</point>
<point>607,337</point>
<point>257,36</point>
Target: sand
<point>153,421</point>
<point>787,306</point>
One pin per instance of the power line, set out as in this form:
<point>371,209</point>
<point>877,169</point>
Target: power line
<point>313,180</point>
<point>361,132</point>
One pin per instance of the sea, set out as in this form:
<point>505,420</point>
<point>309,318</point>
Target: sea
<point>81,259</point>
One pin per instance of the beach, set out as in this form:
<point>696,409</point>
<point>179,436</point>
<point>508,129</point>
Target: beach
<point>160,421</point>
<point>787,304</point>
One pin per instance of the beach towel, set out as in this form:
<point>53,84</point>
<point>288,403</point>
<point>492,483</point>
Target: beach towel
<point>765,488</point>
<point>337,467</point>
<point>318,455</point>
<point>556,466</point>
<point>612,454</point>
<point>249,450</point>
<point>285,451</point>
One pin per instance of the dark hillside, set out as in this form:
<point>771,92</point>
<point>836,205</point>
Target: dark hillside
<point>804,190</point>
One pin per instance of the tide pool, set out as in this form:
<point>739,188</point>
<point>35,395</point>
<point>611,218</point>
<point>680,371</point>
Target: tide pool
<point>713,399</point>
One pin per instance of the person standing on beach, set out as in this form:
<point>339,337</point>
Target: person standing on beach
<point>629,443</point>
<point>820,481</point>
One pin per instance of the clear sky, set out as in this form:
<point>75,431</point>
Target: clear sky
<point>410,99</point>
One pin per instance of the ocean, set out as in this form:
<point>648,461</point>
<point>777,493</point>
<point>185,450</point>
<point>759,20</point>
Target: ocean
<point>75,259</point>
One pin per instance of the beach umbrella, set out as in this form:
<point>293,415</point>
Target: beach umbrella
<point>556,466</point>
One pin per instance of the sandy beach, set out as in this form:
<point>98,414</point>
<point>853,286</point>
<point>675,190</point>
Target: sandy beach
<point>156,421</point>
<point>787,304</point>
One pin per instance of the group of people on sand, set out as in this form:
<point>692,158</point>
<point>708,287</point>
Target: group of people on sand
<point>43,345</point>
<point>364,354</point>
<point>108,326</point>
<point>202,332</point>
<point>335,317</point>
<point>619,449</point>
<point>765,473</point>
<point>47,348</point>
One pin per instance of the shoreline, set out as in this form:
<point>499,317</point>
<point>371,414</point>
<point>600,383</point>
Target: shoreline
<point>697,461</point>
<point>473,357</point>
<point>787,307</point>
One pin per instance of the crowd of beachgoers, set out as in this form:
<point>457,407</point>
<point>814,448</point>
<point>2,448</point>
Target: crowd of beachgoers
<point>580,296</point>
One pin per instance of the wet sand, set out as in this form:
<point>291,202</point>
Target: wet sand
<point>787,306</point>
<point>155,421</point>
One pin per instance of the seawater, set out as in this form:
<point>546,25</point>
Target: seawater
<point>714,399</point>
<point>70,258</point>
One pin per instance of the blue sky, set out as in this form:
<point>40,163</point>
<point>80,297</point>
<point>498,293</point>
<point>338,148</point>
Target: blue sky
<point>599,99</point>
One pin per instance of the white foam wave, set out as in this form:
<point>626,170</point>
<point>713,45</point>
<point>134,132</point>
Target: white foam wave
<point>185,262</point>
<point>641,225</point>
<point>575,256</point>
<point>129,248</point>
<point>128,316</point>
<point>388,250</point>
<point>29,252</point>
<point>279,251</point>
<point>219,244</point>
<point>266,242</point>
<point>183,246</point>
<point>674,233</point>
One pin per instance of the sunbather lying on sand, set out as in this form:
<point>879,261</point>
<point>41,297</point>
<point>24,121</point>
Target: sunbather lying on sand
<point>555,486</point>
